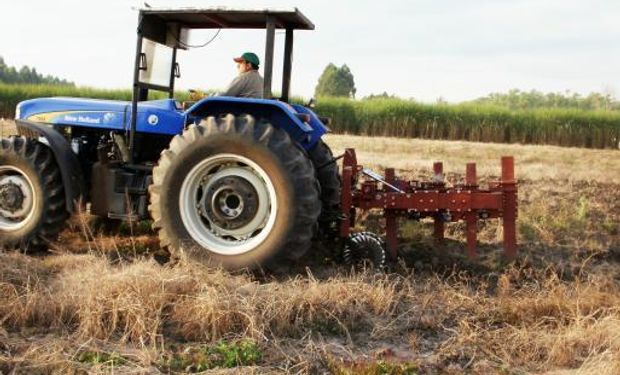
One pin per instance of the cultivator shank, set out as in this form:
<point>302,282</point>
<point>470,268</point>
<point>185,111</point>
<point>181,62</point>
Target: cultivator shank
<point>363,189</point>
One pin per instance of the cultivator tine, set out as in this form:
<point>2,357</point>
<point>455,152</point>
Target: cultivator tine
<point>391,221</point>
<point>346,195</point>
<point>509,188</point>
<point>471,229</point>
<point>439,226</point>
<point>471,218</point>
<point>349,166</point>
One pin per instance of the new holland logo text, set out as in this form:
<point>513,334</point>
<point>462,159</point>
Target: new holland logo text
<point>83,119</point>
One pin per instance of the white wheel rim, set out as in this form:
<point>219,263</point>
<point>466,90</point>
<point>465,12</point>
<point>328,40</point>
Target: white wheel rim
<point>201,226</point>
<point>14,220</point>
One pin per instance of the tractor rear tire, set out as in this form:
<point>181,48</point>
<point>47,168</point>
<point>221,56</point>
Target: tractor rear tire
<point>32,197</point>
<point>236,193</point>
<point>329,179</point>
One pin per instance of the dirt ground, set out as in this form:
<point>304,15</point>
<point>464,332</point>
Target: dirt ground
<point>100,302</point>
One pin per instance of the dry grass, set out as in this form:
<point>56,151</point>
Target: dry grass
<point>532,162</point>
<point>101,304</point>
<point>7,127</point>
<point>523,320</point>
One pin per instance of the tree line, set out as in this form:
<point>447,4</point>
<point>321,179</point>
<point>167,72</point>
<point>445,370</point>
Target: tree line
<point>28,75</point>
<point>517,99</point>
<point>339,82</point>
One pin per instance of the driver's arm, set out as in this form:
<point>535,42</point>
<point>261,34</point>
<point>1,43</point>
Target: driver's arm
<point>235,88</point>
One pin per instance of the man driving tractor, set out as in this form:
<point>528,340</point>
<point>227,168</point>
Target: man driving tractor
<point>249,83</point>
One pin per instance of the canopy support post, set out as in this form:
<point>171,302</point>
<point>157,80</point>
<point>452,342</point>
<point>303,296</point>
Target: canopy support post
<point>288,65</point>
<point>271,32</point>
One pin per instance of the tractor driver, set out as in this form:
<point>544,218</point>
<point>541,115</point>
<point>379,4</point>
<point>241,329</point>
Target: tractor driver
<point>249,83</point>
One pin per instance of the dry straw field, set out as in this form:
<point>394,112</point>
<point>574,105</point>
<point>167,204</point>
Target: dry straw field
<point>101,303</point>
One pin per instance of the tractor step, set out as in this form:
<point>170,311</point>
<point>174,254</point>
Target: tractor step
<point>124,217</point>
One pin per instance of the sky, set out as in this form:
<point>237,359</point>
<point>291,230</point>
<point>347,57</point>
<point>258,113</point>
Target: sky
<point>422,49</point>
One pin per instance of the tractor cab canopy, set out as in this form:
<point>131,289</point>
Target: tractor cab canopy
<point>224,17</point>
<point>162,31</point>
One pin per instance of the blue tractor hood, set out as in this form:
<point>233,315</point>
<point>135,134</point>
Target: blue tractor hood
<point>158,116</point>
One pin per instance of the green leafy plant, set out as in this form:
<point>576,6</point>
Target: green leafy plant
<point>97,357</point>
<point>223,354</point>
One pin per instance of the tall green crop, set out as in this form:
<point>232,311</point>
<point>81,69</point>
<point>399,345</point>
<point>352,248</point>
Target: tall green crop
<point>473,122</point>
<point>405,118</point>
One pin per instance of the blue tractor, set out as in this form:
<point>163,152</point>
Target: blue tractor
<point>231,182</point>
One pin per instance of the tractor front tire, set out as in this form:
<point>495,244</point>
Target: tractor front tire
<point>32,198</point>
<point>236,193</point>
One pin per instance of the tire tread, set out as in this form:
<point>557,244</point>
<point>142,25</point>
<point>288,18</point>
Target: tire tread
<point>54,216</point>
<point>294,160</point>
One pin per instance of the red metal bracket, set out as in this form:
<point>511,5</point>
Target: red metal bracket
<point>509,192</point>
<point>439,227</point>
<point>391,220</point>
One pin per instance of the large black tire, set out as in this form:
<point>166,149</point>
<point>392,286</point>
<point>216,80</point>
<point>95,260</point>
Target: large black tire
<point>30,182</point>
<point>329,179</point>
<point>284,169</point>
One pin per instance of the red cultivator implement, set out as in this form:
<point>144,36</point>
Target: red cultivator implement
<point>414,200</point>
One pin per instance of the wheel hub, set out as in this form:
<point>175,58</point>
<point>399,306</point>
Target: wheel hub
<point>11,197</point>
<point>15,197</point>
<point>230,202</point>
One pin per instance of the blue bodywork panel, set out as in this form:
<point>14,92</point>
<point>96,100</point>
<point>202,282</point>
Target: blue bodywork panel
<point>278,113</point>
<point>157,117</point>
<point>165,117</point>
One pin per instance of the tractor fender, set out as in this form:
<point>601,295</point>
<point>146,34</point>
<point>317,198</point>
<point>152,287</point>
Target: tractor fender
<point>70,169</point>
<point>300,123</point>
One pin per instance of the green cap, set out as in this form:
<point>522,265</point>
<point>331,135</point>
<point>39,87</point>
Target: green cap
<point>248,57</point>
